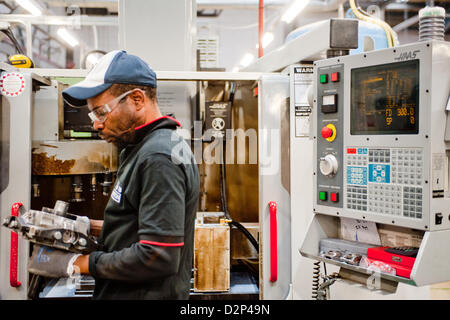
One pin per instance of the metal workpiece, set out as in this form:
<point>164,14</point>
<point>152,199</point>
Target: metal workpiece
<point>54,228</point>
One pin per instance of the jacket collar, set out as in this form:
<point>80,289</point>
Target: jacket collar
<point>158,123</point>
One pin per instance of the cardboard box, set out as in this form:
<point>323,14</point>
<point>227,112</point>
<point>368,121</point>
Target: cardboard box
<point>392,236</point>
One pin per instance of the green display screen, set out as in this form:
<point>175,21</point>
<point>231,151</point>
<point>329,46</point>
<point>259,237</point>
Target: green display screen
<point>385,99</point>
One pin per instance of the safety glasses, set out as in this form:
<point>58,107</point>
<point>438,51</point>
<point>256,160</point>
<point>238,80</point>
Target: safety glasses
<point>100,113</point>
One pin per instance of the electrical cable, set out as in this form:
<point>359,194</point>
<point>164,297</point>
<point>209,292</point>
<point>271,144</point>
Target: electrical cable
<point>224,202</point>
<point>8,32</point>
<point>316,276</point>
<point>357,11</point>
<point>223,186</point>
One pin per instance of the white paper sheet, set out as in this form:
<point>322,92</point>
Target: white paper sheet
<point>360,230</point>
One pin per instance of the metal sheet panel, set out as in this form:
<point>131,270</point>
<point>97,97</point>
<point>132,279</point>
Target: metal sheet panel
<point>18,189</point>
<point>273,94</point>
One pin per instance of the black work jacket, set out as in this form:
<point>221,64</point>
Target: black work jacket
<point>148,230</point>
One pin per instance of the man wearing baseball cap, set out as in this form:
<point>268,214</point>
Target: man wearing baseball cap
<point>148,229</point>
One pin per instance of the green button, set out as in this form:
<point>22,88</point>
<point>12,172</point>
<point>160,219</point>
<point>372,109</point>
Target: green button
<point>323,78</point>
<point>323,195</point>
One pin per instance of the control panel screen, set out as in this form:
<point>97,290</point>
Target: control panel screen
<point>385,99</point>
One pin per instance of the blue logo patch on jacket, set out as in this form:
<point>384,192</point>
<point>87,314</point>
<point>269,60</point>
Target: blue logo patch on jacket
<point>116,195</point>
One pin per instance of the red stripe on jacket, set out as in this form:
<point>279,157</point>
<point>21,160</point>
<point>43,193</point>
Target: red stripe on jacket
<point>163,244</point>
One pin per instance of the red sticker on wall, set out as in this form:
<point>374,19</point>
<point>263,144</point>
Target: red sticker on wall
<point>12,84</point>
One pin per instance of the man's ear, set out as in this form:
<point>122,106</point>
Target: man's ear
<point>138,98</point>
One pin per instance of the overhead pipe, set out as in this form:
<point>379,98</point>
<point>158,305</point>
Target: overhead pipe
<point>260,27</point>
<point>315,5</point>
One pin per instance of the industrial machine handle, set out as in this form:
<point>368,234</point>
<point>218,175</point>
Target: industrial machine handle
<point>14,260</point>
<point>273,242</point>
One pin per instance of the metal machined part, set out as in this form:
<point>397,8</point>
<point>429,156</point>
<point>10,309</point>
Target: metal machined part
<point>54,228</point>
<point>332,254</point>
<point>351,258</point>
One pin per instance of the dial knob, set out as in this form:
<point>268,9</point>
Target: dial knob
<point>328,165</point>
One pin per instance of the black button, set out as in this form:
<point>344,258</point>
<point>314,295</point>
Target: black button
<point>438,218</point>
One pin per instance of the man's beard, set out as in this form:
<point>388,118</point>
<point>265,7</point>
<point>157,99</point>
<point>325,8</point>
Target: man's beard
<point>123,138</point>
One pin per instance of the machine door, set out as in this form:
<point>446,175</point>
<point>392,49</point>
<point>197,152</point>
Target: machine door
<point>15,186</point>
<point>274,198</point>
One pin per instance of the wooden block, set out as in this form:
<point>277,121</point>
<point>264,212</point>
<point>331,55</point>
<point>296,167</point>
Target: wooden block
<point>212,258</point>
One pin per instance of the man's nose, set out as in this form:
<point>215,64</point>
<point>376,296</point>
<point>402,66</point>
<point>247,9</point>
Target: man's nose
<point>98,125</point>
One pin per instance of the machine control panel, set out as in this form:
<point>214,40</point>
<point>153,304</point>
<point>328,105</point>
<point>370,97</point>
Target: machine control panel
<point>380,151</point>
<point>330,136</point>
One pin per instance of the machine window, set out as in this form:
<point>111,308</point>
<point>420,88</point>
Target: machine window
<point>385,99</point>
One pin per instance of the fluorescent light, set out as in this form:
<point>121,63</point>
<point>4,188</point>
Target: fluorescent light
<point>30,6</point>
<point>293,10</point>
<point>247,59</point>
<point>93,59</point>
<point>67,37</point>
<point>266,40</point>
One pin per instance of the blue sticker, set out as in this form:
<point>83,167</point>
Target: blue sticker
<point>116,195</point>
<point>357,176</point>
<point>362,150</point>
<point>380,173</point>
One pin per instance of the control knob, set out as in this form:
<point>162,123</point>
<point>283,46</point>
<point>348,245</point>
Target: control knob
<point>328,165</point>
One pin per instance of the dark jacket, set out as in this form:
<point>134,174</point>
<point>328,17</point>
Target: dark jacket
<point>148,230</point>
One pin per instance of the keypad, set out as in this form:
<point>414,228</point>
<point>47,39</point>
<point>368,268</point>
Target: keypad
<point>357,198</point>
<point>385,199</point>
<point>412,202</point>
<point>385,181</point>
<point>407,166</point>
<point>357,160</point>
<point>379,155</point>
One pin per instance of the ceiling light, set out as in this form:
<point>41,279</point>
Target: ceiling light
<point>267,39</point>
<point>67,37</point>
<point>294,10</point>
<point>92,58</point>
<point>247,59</point>
<point>31,6</point>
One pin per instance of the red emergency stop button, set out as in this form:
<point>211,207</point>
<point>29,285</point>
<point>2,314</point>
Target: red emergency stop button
<point>326,132</point>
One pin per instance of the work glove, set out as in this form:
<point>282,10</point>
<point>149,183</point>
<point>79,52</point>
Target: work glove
<point>52,263</point>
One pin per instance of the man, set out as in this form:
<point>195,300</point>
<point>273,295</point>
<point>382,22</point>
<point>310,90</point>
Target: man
<point>148,228</point>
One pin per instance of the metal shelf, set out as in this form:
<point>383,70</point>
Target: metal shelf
<point>359,269</point>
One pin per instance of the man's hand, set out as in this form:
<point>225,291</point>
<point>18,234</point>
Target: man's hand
<point>96,227</point>
<point>52,263</point>
<point>81,264</point>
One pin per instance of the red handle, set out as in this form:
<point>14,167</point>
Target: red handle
<point>273,242</point>
<point>14,260</point>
